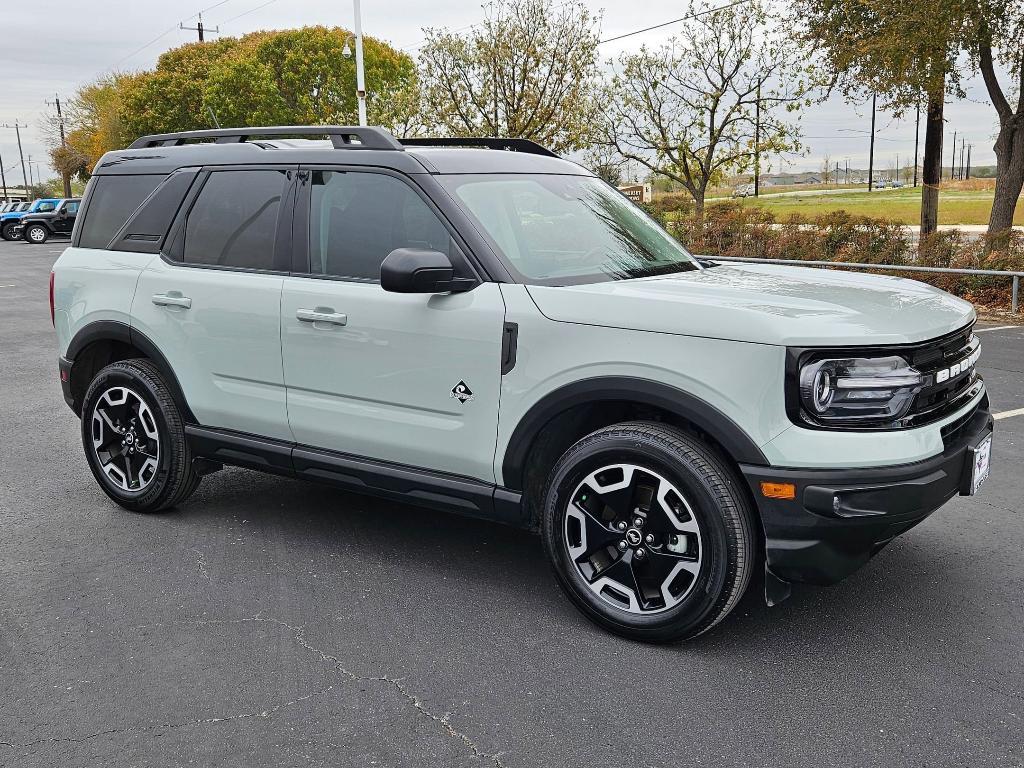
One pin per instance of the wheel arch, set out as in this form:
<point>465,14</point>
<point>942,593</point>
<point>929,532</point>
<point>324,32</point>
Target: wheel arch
<point>568,413</point>
<point>107,341</point>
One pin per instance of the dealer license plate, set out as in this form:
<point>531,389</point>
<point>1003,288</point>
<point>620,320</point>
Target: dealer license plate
<point>982,464</point>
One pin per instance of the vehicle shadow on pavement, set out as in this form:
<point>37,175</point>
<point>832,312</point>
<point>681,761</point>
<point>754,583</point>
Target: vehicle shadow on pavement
<point>498,574</point>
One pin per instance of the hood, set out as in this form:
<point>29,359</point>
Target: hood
<point>765,304</point>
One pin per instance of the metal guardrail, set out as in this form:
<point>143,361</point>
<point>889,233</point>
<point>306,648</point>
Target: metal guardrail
<point>1016,276</point>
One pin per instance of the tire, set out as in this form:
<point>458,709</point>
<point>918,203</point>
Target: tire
<point>8,233</point>
<point>128,405</point>
<point>36,234</point>
<point>696,534</point>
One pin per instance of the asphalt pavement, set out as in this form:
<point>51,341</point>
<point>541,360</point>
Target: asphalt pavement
<point>270,622</point>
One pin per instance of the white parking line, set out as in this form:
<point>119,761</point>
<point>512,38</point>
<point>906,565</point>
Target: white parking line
<point>997,328</point>
<point>1008,414</point>
<point>8,285</point>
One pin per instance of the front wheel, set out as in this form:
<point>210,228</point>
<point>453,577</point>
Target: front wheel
<point>134,438</point>
<point>36,234</point>
<point>649,531</point>
<point>8,233</point>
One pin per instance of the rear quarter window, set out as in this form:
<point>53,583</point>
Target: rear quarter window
<point>112,201</point>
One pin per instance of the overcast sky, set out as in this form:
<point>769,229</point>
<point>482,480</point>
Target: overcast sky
<point>53,52</point>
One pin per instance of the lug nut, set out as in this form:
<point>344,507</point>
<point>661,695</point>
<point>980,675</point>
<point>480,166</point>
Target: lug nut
<point>640,553</point>
<point>638,522</point>
<point>621,526</point>
<point>622,545</point>
<point>649,538</point>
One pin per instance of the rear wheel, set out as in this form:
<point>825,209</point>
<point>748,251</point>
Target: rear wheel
<point>36,234</point>
<point>134,438</point>
<point>7,233</point>
<point>649,531</point>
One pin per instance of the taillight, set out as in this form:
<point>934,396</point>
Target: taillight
<point>53,320</point>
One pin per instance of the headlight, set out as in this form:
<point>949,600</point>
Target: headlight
<point>862,390</point>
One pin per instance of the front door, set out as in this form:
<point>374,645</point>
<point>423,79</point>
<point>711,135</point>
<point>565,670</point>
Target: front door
<point>405,378</point>
<point>64,222</point>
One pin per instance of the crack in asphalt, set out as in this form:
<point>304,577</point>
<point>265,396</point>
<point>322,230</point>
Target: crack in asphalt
<point>201,563</point>
<point>169,726</point>
<point>299,637</point>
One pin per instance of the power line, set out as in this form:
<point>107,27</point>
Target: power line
<point>675,21</point>
<point>251,10</point>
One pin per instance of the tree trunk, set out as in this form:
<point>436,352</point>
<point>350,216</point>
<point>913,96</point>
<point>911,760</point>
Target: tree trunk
<point>1009,149</point>
<point>931,166</point>
<point>698,204</point>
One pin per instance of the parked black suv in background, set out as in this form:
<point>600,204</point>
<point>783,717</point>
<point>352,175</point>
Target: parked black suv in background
<point>37,228</point>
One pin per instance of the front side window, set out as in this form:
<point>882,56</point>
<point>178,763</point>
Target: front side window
<point>233,222</point>
<point>356,219</point>
<point>558,230</point>
<point>72,207</point>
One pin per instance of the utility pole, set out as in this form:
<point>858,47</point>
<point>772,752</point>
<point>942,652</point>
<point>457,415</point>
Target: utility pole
<point>837,173</point>
<point>199,28</point>
<point>3,177</point>
<point>17,131</point>
<point>952,163</point>
<point>917,136</point>
<point>963,148</point>
<point>969,161</point>
<point>360,76</point>
<point>871,154</point>
<point>63,143</point>
<point>31,181</point>
<point>757,142</point>
<point>847,171</point>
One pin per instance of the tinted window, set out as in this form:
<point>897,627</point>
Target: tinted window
<point>112,200</point>
<point>357,219</point>
<point>233,222</point>
<point>45,207</point>
<point>72,207</point>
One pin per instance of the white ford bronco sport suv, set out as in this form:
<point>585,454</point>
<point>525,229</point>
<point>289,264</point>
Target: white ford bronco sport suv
<point>480,326</point>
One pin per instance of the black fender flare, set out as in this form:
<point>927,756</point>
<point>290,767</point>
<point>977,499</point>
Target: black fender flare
<point>114,330</point>
<point>701,414</point>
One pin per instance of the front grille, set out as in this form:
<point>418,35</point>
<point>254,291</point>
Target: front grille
<point>940,397</point>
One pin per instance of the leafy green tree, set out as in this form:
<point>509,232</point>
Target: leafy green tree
<point>905,52</point>
<point>94,115</point>
<point>529,70</point>
<point>689,110</point>
<point>998,27</point>
<point>300,77</point>
<point>170,97</point>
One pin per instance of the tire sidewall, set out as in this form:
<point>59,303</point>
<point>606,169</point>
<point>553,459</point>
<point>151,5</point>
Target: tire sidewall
<point>121,376</point>
<point>36,227</point>
<point>711,581</point>
<point>8,233</point>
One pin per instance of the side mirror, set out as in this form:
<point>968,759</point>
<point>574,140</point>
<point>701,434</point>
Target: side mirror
<point>415,270</point>
<point>62,213</point>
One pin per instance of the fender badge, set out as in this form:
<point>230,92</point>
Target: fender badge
<point>462,392</point>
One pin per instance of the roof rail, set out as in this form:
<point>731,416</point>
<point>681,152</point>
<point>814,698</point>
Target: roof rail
<point>341,136</point>
<point>510,145</point>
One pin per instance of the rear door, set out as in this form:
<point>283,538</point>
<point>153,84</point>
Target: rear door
<point>211,302</point>
<point>411,379</point>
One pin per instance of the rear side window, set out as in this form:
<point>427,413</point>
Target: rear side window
<point>356,219</point>
<point>233,222</point>
<point>112,201</point>
<point>72,207</point>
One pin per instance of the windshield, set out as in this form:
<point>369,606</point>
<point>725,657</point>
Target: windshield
<point>561,230</point>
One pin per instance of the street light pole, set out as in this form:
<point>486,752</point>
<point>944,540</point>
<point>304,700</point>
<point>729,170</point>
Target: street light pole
<point>360,77</point>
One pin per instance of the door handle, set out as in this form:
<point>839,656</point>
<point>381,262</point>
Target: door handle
<point>321,316</point>
<point>172,299</point>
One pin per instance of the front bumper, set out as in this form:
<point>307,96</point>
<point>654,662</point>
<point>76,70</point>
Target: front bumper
<point>840,518</point>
